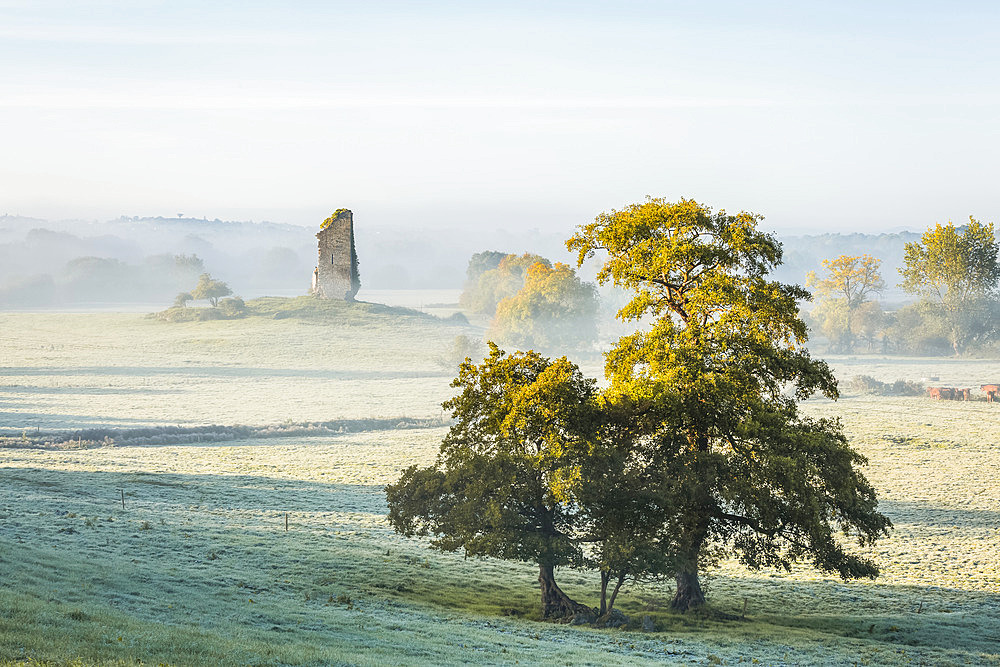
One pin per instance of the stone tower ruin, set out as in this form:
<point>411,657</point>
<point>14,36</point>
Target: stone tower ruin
<point>336,274</point>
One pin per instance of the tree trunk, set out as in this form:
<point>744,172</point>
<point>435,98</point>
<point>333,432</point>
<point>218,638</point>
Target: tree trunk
<point>849,335</point>
<point>555,603</point>
<point>689,594</point>
<point>614,593</point>
<point>605,577</point>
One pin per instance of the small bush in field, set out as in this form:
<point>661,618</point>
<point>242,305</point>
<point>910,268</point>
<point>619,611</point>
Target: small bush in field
<point>866,384</point>
<point>233,307</point>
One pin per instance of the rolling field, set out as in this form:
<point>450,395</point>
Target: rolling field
<point>198,567</point>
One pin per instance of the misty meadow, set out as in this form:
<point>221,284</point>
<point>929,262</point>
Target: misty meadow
<point>508,333</point>
<point>207,484</point>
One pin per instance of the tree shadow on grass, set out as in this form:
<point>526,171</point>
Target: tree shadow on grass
<point>338,544</point>
<point>17,420</point>
<point>84,391</point>
<point>897,619</point>
<point>919,513</point>
<point>187,493</point>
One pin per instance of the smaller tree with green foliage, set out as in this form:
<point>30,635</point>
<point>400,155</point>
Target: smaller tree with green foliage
<point>956,274</point>
<point>211,289</point>
<point>182,299</point>
<point>480,263</point>
<point>919,328</point>
<point>503,481</point>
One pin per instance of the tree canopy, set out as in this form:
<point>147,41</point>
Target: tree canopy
<point>713,386</point>
<point>487,287</point>
<point>956,273</point>
<point>211,289</point>
<point>844,309</point>
<point>502,483</point>
<point>554,310</point>
<point>696,449</point>
<point>480,263</point>
<point>537,467</point>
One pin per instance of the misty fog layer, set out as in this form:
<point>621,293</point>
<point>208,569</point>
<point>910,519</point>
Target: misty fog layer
<point>149,260</point>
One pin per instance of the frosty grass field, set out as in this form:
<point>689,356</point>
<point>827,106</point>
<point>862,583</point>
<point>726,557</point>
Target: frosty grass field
<point>199,569</point>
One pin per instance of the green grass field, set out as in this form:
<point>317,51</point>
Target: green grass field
<point>198,567</point>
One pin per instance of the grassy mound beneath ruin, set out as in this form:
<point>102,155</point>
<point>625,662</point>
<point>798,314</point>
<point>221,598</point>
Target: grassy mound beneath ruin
<point>312,308</point>
<point>301,307</point>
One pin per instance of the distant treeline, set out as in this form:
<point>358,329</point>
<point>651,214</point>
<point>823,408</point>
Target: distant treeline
<point>261,258</point>
<point>103,280</point>
<point>258,258</point>
<point>951,273</point>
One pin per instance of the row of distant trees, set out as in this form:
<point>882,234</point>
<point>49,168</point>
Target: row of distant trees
<point>535,304</point>
<point>102,279</point>
<point>954,272</point>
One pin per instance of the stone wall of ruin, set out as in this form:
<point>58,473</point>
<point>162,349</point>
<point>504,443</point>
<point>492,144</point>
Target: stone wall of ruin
<point>336,275</point>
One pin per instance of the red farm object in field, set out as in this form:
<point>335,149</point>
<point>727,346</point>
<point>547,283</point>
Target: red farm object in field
<point>991,391</point>
<point>943,393</point>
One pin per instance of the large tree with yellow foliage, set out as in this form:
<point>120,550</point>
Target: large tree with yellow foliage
<point>712,388</point>
<point>696,449</point>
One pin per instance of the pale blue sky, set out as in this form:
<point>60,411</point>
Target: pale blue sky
<point>838,116</point>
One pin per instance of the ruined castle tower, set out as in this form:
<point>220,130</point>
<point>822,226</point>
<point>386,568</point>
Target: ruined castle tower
<point>336,274</point>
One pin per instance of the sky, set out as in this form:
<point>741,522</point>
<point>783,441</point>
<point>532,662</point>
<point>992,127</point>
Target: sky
<point>821,116</point>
